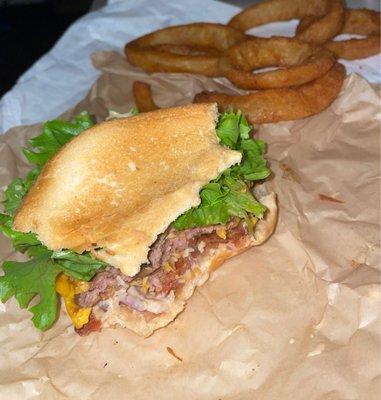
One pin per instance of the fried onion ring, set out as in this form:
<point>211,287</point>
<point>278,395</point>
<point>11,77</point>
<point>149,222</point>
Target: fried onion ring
<point>326,27</point>
<point>361,22</point>
<point>274,105</point>
<point>354,49</point>
<point>357,21</point>
<point>305,62</point>
<point>192,48</point>
<point>143,97</point>
<point>327,23</point>
<point>276,10</point>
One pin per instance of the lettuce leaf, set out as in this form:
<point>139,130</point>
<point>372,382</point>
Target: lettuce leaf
<point>37,276</point>
<point>25,280</point>
<point>54,135</point>
<point>229,195</point>
<point>15,192</point>
<point>22,242</point>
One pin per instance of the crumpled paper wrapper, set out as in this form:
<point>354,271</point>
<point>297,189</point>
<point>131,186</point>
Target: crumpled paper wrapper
<point>296,318</point>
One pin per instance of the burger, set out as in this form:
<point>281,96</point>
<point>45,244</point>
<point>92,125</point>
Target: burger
<point>124,219</point>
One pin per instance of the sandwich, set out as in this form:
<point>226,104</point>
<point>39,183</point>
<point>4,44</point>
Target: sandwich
<point>124,219</point>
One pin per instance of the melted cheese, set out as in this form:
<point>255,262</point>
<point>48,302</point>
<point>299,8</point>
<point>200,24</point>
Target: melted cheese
<point>68,288</point>
<point>221,232</point>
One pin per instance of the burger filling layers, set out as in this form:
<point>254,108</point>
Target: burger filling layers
<point>174,259</point>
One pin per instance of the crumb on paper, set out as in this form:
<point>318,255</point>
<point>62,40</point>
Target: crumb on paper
<point>172,353</point>
<point>329,198</point>
<point>318,350</point>
<point>355,264</point>
<point>289,173</point>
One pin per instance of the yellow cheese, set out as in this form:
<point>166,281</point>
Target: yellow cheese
<point>167,267</point>
<point>68,288</point>
<point>221,232</point>
<point>145,284</point>
<point>254,220</point>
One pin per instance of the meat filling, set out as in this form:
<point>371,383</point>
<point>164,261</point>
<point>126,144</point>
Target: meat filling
<point>170,258</point>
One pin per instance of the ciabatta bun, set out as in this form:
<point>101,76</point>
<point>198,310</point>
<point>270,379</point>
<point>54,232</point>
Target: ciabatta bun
<point>113,189</point>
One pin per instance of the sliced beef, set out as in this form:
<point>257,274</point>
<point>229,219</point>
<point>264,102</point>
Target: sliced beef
<point>103,285</point>
<point>173,241</point>
<point>156,252</point>
<point>160,280</point>
<point>237,232</point>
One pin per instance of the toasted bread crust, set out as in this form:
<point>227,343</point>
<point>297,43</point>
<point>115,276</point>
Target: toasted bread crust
<point>122,182</point>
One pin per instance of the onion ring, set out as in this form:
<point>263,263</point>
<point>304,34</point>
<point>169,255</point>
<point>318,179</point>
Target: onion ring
<point>163,50</point>
<point>276,10</point>
<point>326,27</point>
<point>143,97</point>
<point>305,62</point>
<point>361,22</point>
<point>328,22</point>
<point>358,21</point>
<point>353,49</point>
<point>274,105</point>
<point>186,50</point>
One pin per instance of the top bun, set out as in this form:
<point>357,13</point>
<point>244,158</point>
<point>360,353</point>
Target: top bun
<point>113,189</point>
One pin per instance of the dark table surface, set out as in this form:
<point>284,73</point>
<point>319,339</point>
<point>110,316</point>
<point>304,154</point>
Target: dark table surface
<point>29,31</point>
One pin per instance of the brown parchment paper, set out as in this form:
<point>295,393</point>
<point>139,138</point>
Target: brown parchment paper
<point>296,318</point>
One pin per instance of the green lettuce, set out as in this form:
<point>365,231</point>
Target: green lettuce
<point>230,194</point>
<point>54,135</point>
<point>37,276</point>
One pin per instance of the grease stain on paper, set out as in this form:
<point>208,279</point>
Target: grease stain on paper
<point>288,173</point>
<point>324,197</point>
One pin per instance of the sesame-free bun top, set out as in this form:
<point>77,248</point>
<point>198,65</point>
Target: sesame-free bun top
<point>113,189</point>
